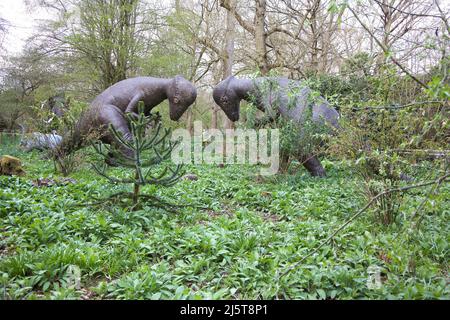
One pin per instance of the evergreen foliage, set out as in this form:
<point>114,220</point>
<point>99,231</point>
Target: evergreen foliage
<point>143,154</point>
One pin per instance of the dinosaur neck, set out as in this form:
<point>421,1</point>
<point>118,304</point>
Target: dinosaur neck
<point>158,88</point>
<point>244,88</point>
<point>247,89</point>
<point>163,85</point>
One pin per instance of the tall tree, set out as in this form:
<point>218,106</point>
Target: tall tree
<point>228,51</point>
<point>3,29</point>
<point>256,29</point>
<point>107,36</point>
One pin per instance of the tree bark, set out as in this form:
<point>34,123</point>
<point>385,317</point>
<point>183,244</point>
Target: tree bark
<point>260,37</point>
<point>229,52</point>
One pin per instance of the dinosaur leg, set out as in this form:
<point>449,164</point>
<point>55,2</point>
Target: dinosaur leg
<point>284,162</point>
<point>111,115</point>
<point>313,165</point>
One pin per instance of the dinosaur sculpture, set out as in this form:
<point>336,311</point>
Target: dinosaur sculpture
<point>277,96</point>
<point>110,107</point>
<point>40,141</point>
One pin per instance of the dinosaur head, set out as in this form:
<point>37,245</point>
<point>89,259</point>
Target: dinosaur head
<point>227,99</point>
<point>181,94</point>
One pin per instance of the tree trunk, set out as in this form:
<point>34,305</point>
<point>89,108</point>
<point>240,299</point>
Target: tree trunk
<point>189,120</point>
<point>229,53</point>
<point>189,113</point>
<point>314,37</point>
<point>260,37</point>
<point>214,115</point>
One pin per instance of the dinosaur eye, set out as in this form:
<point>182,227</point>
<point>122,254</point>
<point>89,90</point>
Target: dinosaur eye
<point>175,100</point>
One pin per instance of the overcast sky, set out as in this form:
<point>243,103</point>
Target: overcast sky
<point>21,20</point>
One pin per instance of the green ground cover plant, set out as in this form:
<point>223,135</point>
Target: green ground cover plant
<point>254,228</point>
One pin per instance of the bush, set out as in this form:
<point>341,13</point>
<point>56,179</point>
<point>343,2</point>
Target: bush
<point>384,139</point>
<point>142,154</point>
<point>297,139</point>
<point>45,121</point>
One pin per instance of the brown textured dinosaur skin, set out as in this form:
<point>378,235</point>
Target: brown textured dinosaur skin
<point>110,107</point>
<point>229,93</point>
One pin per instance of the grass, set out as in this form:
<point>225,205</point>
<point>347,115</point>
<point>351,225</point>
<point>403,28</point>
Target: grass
<point>255,227</point>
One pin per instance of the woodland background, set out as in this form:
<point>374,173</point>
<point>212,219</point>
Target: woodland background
<point>383,64</point>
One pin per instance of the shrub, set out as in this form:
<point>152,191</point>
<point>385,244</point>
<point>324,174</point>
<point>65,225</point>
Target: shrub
<point>47,121</point>
<point>297,139</point>
<point>141,153</point>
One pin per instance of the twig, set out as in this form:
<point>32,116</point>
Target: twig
<point>426,152</point>
<point>413,104</point>
<point>386,51</point>
<point>433,189</point>
<point>356,215</point>
<point>408,13</point>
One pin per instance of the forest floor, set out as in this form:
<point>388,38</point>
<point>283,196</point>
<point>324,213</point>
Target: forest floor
<point>253,230</point>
